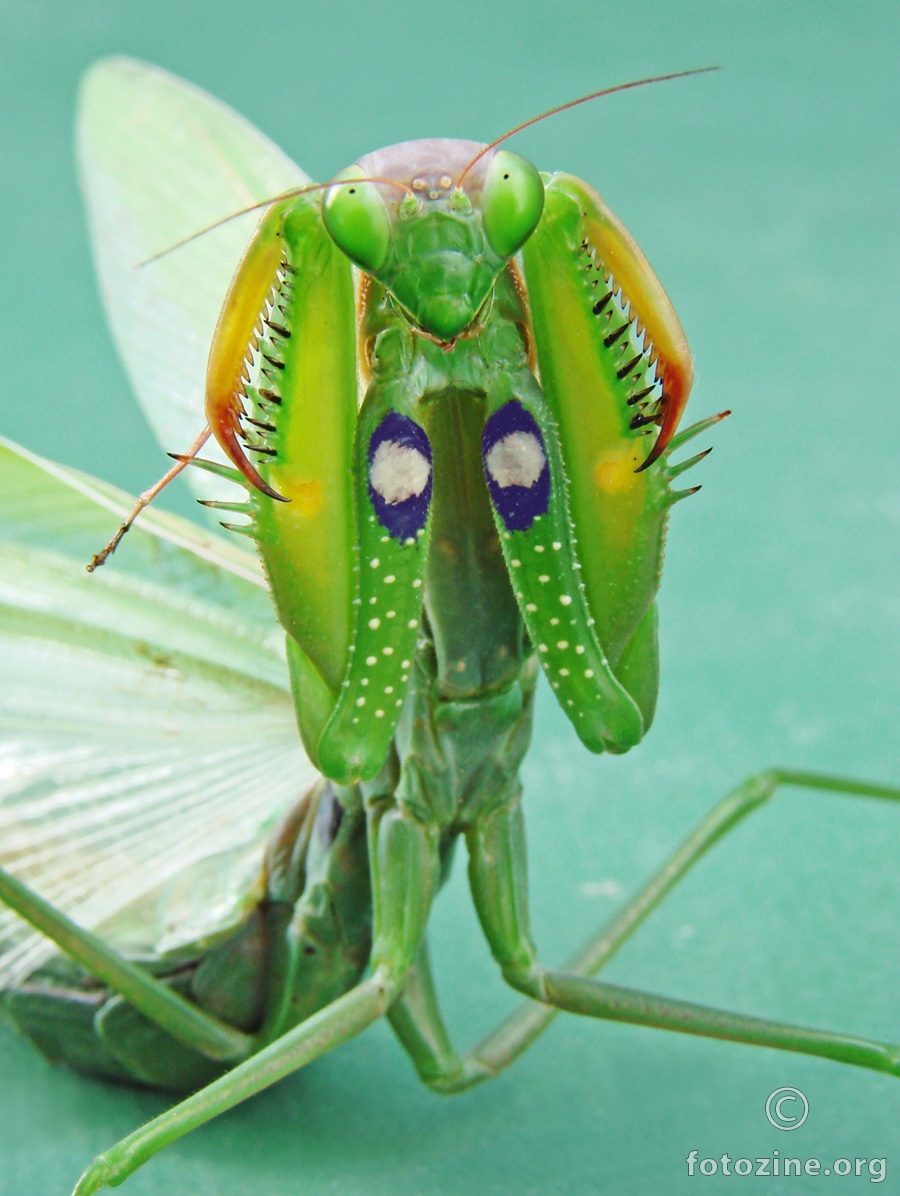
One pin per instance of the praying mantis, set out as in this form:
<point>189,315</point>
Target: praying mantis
<point>496,503</point>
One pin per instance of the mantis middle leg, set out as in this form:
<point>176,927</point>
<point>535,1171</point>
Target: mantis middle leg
<point>405,867</point>
<point>416,1018</point>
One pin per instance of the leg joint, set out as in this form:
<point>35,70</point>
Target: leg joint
<point>530,980</point>
<point>387,980</point>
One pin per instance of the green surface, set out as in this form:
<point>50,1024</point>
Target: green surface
<point>766,199</point>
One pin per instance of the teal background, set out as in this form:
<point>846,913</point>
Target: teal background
<point>766,197</point>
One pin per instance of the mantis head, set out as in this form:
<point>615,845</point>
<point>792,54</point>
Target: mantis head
<point>436,246</point>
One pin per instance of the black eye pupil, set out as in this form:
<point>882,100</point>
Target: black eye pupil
<point>506,176</point>
<point>352,190</point>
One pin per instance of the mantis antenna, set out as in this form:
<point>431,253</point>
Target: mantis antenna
<point>147,498</point>
<point>183,461</point>
<point>266,203</point>
<point>594,95</point>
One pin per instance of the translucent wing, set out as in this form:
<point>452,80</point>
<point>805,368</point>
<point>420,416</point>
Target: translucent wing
<point>159,161</point>
<point>146,724</point>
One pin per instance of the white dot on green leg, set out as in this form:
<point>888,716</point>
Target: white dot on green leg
<point>360,701</point>
<point>374,624</point>
<point>565,599</point>
<point>379,714</point>
<point>374,562</point>
<point>388,651</point>
<point>370,660</point>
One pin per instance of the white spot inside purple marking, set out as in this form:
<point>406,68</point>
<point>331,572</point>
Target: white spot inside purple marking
<point>398,472</point>
<point>516,460</point>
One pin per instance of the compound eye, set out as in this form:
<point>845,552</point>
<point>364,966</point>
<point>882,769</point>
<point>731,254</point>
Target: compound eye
<point>357,220</point>
<point>512,203</point>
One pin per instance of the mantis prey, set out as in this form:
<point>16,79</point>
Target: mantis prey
<point>447,389</point>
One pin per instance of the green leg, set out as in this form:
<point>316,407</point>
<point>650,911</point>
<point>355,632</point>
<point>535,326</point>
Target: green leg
<point>497,850</point>
<point>175,1014</point>
<point>416,1020</point>
<point>405,870</point>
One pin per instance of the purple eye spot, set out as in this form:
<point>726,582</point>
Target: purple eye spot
<point>400,475</point>
<point>515,466</point>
